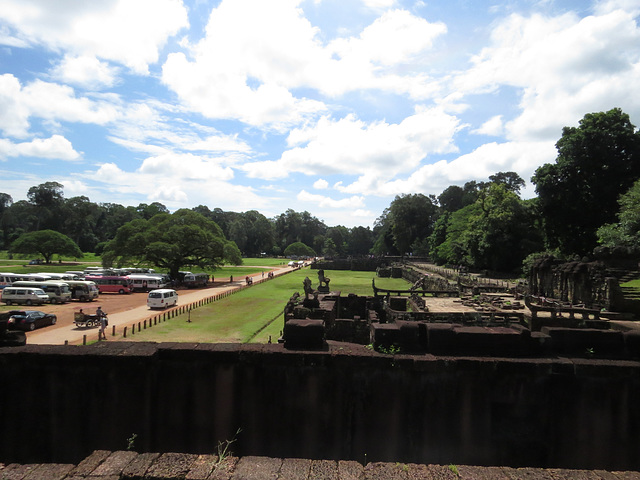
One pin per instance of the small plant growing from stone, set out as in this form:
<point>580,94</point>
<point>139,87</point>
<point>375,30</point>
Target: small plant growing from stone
<point>454,469</point>
<point>223,447</point>
<point>131,442</point>
<point>390,350</point>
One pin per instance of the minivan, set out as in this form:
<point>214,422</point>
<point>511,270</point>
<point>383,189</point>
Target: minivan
<point>162,298</point>
<point>23,295</point>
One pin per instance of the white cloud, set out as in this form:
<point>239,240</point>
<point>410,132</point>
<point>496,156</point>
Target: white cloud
<point>247,65</point>
<point>54,148</point>
<point>85,71</point>
<point>565,67</point>
<point>129,32</point>
<point>324,201</point>
<point>492,127</point>
<point>14,115</point>
<point>522,158</point>
<point>376,152</point>
<point>320,184</point>
<point>49,101</point>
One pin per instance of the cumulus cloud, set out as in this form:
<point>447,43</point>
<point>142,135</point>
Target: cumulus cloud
<point>85,71</point>
<point>320,184</point>
<point>492,127</point>
<point>54,148</point>
<point>324,201</point>
<point>87,28</point>
<point>565,67</point>
<point>246,67</point>
<point>49,101</point>
<point>374,151</point>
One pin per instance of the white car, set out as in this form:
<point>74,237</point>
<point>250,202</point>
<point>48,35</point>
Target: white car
<point>162,298</point>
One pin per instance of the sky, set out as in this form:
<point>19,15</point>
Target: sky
<point>333,107</point>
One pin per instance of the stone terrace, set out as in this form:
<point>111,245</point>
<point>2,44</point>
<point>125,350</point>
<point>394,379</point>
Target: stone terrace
<point>120,465</point>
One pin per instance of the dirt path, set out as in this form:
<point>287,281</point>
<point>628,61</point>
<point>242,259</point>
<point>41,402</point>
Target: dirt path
<point>122,310</point>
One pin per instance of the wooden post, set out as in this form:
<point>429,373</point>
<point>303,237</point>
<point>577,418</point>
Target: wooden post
<point>124,333</point>
<point>84,339</point>
<point>113,331</point>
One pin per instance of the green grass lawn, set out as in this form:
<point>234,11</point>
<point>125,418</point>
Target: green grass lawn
<point>254,314</point>
<point>19,264</point>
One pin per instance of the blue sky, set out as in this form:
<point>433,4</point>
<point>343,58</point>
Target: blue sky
<point>329,106</point>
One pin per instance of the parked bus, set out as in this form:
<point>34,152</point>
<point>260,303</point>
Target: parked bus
<point>57,291</point>
<point>83,290</point>
<point>146,282</point>
<point>192,280</point>
<point>54,276</point>
<point>111,284</point>
<point>7,279</point>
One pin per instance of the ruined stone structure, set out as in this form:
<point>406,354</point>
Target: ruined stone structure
<point>586,283</point>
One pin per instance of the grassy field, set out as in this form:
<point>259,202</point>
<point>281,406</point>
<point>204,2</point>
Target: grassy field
<point>20,265</point>
<point>255,314</point>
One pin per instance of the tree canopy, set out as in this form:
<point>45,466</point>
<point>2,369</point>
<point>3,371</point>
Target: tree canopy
<point>597,162</point>
<point>46,243</point>
<point>299,249</point>
<point>172,241</point>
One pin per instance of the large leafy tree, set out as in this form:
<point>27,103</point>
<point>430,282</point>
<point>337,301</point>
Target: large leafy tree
<point>299,249</point>
<point>48,198</point>
<point>626,232</point>
<point>46,243</point>
<point>597,162</point>
<point>172,241</point>
<point>252,232</point>
<point>412,219</point>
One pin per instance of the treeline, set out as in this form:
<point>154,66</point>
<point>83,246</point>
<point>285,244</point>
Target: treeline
<point>588,199</point>
<point>92,225</point>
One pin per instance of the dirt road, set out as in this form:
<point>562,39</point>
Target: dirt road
<point>122,310</point>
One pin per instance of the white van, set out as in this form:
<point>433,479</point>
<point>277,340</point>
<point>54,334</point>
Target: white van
<point>162,298</point>
<point>24,295</point>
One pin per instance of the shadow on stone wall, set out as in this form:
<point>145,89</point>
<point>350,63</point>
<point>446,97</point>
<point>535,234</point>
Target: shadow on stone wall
<point>344,402</point>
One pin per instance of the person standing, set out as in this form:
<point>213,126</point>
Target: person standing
<point>102,318</point>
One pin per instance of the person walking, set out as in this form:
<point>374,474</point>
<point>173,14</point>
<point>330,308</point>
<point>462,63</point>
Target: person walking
<point>102,318</point>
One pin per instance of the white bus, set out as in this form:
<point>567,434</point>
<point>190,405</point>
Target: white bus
<point>146,282</point>
<point>57,291</point>
<point>7,279</point>
<point>193,280</point>
<point>83,290</point>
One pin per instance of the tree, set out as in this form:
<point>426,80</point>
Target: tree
<point>46,243</point>
<point>412,218</point>
<point>626,232</point>
<point>80,219</point>
<point>383,244</point>
<point>511,180</point>
<point>48,200</point>
<point>597,162</point>
<point>172,241</point>
<point>150,211</point>
<point>299,249</point>
<point>360,241</point>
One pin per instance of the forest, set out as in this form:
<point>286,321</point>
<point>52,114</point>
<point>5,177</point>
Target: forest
<point>587,203</point>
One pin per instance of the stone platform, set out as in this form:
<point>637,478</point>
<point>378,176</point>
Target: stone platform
<point>127,465</point>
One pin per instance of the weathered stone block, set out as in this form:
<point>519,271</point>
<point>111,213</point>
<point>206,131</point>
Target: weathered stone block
<point>581,341</point>
<point>305,333</point>
<point>385,334</point>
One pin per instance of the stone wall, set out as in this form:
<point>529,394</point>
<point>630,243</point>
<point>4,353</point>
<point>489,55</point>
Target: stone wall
<point>60,403</point>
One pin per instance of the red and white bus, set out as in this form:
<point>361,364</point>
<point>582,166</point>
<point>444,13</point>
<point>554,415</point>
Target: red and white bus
<point>111,284</point>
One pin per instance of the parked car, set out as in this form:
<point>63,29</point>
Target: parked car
<point>24,295</point>
<point>28,320</point>
<point>162,298</point>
